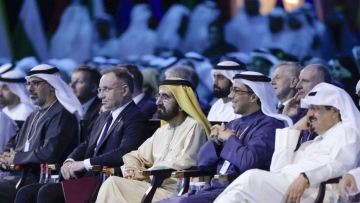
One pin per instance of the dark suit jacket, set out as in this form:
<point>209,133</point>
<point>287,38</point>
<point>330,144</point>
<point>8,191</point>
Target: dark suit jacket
<point>148,106</point>
<point>127,133</point>
<point>89,118</point>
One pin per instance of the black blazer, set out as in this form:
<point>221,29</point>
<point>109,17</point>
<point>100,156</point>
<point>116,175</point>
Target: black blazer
<point>89,118</point>
<point>148,106</point>
<point>127,133</point>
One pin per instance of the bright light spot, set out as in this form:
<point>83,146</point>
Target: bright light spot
<point>292,1</point>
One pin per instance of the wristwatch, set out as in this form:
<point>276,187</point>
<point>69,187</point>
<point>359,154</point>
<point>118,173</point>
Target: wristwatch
<point>305,176</point>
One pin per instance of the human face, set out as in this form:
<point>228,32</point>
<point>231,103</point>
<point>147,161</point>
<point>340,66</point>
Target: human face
<point>321,119</point>
<point>40,91</point>
<point>167,106</point>
<point>82,86</point>
<point>6,96</point>
<point>240,98</point>
<point>309,77</point>
<point>282,83</point>
<point>112,91</point>
<point>221,85</point>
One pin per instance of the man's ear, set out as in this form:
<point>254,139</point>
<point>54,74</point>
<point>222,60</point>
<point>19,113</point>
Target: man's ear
<point>293,82</point>
<point>254,98</point>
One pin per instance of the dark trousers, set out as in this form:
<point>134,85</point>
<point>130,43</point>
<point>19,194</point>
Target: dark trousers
<point>8,186</point>
<point>41,193</point>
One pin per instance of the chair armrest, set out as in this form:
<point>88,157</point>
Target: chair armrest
<point>159,173</point>
<point>158,178</point>
<point>95,168</point>
<point>227,177</point>
<point>322,187</point>
<point>190,174</point>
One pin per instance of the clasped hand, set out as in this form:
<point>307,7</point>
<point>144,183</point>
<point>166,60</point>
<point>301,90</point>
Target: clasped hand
<point>7,158</point>
<point>132,172</point>
<point>69,169</point>
<point>219,133</point>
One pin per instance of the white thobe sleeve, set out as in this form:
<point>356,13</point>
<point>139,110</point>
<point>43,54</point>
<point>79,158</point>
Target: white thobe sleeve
<point>356,173</point>
<point>143,156</point>
<point>285,143</point>
<point>341,158</point>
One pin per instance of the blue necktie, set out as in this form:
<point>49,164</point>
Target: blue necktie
<point>103,135</point>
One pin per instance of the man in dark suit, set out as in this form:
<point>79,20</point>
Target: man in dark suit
<point>139,97</point>
<point>49,133</point>
<point>85,82</point>
<point>115,133</point>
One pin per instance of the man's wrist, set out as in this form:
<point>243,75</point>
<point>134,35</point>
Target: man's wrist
<point>306,178</point>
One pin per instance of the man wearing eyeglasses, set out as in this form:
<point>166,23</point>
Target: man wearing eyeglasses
<point>243,143</point>
<point>310,76</point>
<point>222,75</point>
<point>174,145</point>
<point>115,133</point>
<point>14,96</point>
<point>295,175</point>
<point>49,133</point>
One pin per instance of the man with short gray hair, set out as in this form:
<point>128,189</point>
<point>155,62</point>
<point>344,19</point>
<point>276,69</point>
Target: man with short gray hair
<point>284,81</point>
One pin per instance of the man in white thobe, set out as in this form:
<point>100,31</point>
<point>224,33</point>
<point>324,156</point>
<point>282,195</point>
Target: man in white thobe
<point>174,145</point>
<point>222,75</point>
<point>295,176</point>
<point>14,96</point>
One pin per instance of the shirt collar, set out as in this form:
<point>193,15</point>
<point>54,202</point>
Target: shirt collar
<point>286,102</point>
<point>138,98</point>
<point>87,104</point>
<point>251,116</point>
<point>117,111</point>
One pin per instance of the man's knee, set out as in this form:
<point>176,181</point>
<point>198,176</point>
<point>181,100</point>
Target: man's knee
<point>51,191</point>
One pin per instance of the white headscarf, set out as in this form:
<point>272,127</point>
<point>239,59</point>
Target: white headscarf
<point>228,69</point>
<point>62,91</point>
<point>358,87</point>
<point>265,91</point>
<point>18,88</point>
<point>167,30</point>
<point>329,95</point>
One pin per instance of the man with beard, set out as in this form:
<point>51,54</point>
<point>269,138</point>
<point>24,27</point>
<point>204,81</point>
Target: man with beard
<point>174,145</point>
<point>49,133</point>
<point>295,175</point>
<point>244,143</point>
<point>284,81</point>
<point>222,75</point>
<point>14,95</point>
<point>115,133</point>
<point>187,73</point>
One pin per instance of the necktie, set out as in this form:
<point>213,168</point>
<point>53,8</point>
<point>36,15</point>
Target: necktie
<point>103,135</point>
<point>280,108</point>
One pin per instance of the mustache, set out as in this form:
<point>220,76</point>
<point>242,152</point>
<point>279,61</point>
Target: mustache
<point>160,107</point>
<point>215,86</point>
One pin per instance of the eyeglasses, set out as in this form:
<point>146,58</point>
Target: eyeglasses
<point>107,89</point>
<point>164,97</point>
<point>237,91</point>
<point>34,83</point>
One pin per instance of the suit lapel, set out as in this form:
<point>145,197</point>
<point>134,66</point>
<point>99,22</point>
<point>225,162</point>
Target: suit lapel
<point>119,120</point>
<point>98,130</point>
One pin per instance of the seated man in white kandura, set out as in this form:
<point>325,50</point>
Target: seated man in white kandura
<point>295,176</point>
